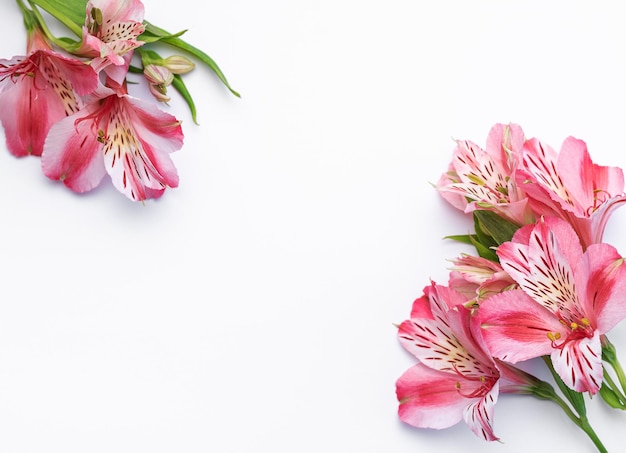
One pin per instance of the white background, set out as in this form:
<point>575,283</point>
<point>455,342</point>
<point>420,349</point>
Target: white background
<point>252,308</point>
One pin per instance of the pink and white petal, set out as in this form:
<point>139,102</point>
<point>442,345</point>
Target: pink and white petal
<point>432,343</point>
<point>505,143</point>
<point>539,162</point>
<point>475,360</point>
<point>429,398</point>
<point>136,155</point>
<point>606,288</point>
<point>516,328</point>
<point>579,364</point>
<point>119,10</point>
<point>600,217</point>
<point>543,269</point>
<point>156,127</point>
<point>479,415</point>
<point>445,187</point>
<point>73,154</point>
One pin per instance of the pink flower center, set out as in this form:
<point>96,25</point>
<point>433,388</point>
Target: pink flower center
<point>578,330</point>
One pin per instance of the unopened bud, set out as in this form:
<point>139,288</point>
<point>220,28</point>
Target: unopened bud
<point>178,64</point>
<point>159,78</point>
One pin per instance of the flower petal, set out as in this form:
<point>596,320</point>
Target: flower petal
<point>606,288</point>
<point>140,137</point>
<point>579,364</point>
<point>26,122</point>
<point>542,269</point>
<point>72,152</point>
<point>516,328</point>
<point>429,398</point>
<point>479,415</point>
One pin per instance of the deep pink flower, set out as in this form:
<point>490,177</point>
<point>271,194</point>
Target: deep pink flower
<point>568,299</point>
<point>127,138</point>
<point>36,91</point>
<point>456,378</point>
<point>110,34</point>
<point>570,186</point>
<point>485,178</point>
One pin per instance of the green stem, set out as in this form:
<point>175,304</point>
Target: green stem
<point>55,8</point>
<point>44,27</point>
<point>577,401</point>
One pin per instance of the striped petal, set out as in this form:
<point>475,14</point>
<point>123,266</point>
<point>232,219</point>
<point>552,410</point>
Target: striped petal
<point>137,146</point>
<point>516,328</point>
<point>579,363</point>
<point>542,267</point>
<point>479,415</point>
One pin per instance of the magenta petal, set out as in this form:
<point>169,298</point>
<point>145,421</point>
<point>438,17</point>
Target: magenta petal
<point>606,288</point>
<point>575,169</point>
<point>27,113</point>
<point>515,327</point>
<point>429,398</point>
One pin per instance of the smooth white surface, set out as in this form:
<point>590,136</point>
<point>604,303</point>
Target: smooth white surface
<point>252,308</point>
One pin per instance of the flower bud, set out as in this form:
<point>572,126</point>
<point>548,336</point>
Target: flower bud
<point>159,78</point>
<point>178,64</point>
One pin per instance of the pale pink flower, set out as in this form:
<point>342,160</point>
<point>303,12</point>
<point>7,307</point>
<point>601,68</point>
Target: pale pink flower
<point>128,138</point>
<point>456,378</point>
<point>110,34</point>
<point>478,278</point>
<point>485,178</point>
<point>158,78</point>
<point>570,186</point>
<point>37,90</point>
<point>568,299</point>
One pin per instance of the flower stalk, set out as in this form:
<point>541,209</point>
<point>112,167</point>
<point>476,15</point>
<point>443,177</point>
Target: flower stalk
<point>576,399</point>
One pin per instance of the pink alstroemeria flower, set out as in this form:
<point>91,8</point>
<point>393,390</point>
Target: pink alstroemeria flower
<point>478,278</point>
<point>570,186</point>
<point>456,378</point>
<point>128,138</point>
<point>485,179</point>
<point>110,34</point>
<point>568,299</point>
<point>37,90</point>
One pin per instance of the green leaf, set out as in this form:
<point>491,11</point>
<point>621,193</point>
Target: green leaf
<point>71,13</point>
<point>483,251</point>
<point>501,230</point>
<point>464,238</point>
<point>482,236</point>
<point>153,32</point>
<point>179,85</point>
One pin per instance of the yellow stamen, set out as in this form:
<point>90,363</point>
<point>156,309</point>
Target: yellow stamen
<point>553,336</point>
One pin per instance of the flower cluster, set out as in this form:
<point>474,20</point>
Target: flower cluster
<point>66,100</point>
<point>542,285</point>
